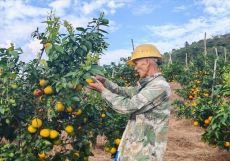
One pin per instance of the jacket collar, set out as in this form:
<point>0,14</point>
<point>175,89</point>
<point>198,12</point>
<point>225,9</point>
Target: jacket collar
<point>146,80</point>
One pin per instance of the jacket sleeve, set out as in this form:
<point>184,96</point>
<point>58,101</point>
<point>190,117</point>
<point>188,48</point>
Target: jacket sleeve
<point>122,91</point>
<point>148,98</point>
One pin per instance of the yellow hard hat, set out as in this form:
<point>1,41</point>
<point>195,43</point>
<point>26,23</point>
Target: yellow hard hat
<point>144,51</point>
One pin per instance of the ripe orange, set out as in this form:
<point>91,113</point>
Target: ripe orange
<point>42,155</point>
<point>89,80</point>
<point>214,146</point>
<point>103,115</point>
<point>206,121</point>
<point>210,118</point>
<point>41,99</point>
<point>113,150</point>
<point>59,107</point>
<point>77,154</point>
<point>45,133</point>
<point>31,129</point>
<point>195,123</point>
<point>37,92</point>
<point>78,112</point>
<point>47,44</point>
<point>42,81</point>
<point>53,134</point>
<point>48,90</point>
<point>78,87</point>
<point>117,141</point>
<point>36,123</point>
<point>69,129</point>
<point>227,144</point>
<point>69,109</point>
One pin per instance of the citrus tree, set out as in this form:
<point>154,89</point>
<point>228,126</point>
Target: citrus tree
<point>43,99</point>
<point>204,102</point>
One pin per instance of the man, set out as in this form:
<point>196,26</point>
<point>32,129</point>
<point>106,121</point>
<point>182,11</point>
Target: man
<point>148,104</point>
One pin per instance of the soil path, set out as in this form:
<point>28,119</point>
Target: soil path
<point>184,142</point>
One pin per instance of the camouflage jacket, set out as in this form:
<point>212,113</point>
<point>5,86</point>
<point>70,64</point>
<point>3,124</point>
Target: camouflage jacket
<point>148,104</point>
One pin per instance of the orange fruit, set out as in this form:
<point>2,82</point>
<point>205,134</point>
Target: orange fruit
<point>53,134</point>
<point>78,87</point>
<point>59,106</point>
<point>42,81</point>
<point>227,144</point>
<point>214,146</point>
<point>117,141</point>
<point>31,129</point>
<point>206,121</point>
<point>36,123</point>
<point>113,150</point>
<point>37,92</point>
<point>69,109</point>
<point>41,99</point>
<point>42,155</point>
<point>77,154</point>
<point>69,129</point>
<point>47,44</point>
<point>210,118</point>
<point>78,112</point>
<point>45,133</point>
<point>195,123</point>
<point>103,115</point>
<point>107,149</point>
<point>48,90</point>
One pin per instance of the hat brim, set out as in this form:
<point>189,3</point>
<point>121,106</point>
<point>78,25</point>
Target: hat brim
<point>130,62</point>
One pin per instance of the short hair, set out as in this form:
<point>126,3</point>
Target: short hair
<point>158,61</point>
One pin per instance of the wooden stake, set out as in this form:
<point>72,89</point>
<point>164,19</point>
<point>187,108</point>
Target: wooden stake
<point>225,58</point>
<point>186,60</point>
<point>112,73</point>
<point>205,48</point>
<point>98,61</point>
<point>132,44</point>
<point>214,72</point>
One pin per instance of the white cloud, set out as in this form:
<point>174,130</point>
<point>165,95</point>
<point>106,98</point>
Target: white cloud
<point>216,7</point>
<point>6,45</point>
<point>112,11</point>
<point>144,9</point>
<point>177,9</point>
<point>59,6</point>
<point>112,4</point>
<point>114,56</point>
<point>91,7</point>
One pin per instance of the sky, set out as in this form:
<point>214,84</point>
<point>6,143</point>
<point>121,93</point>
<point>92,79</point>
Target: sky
<point>166,24</point>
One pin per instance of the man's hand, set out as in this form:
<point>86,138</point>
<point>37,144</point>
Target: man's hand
<point>100,78</point>
<point>96,86</point>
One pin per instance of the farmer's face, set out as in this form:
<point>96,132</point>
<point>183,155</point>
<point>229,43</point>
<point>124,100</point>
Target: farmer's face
<point>141,66</point>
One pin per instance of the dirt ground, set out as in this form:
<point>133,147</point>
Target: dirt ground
<point>184,142</point>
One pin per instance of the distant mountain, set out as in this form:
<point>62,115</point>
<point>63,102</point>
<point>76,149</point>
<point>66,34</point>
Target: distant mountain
<point>218,41</point>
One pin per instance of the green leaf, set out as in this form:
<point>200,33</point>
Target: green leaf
<point>11,65</point>
<point>58,88</point>
<point>103,31</point>
<point>87,68</point>
<point>43,61</point>
<point>47,49</point>
<point>14,53</point>
<point>69,74</point>
<point>13,85</point>
<point>89,45</point>
<point>87,76</point>
<point>109,114</point>
<point>84,47</point>
<point>75,98</point>
<point>80,29</point>
<point>59,48</point>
